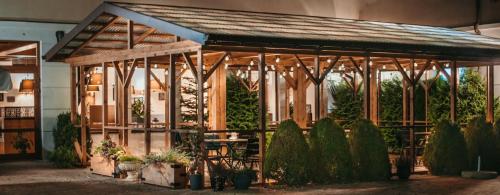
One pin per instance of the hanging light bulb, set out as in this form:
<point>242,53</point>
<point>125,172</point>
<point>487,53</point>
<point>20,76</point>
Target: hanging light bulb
<point>383,67</point>
<point>415,64</point>
<point>291,68</point>
<point>226,65</point>
<point>251,63</point>
<point>278,59</point>
<point>156,65</point>
<point>243,75</point>
<point>226,58</point>
<point>249,68</point>
<point>434,67</point>
<point>166,72</point>
<point>238,72</point>
<point>361,68</point>
<point>184,66</point>
<point>371,63</point>
<point>329,60</point>
<point>298,65</point>
<point>404,69</point>
<point>284,74</point>
<point>88,75</point>
<point>265,68</point>
<point>272,67</point>
<point>447,64</point>
<point>312,71</point>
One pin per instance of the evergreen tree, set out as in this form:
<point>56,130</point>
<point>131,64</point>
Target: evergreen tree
<point>391,110</point>
<point>242,105</point>
<point>347,108</point>
<point>189,101</point>
<point>471,96</point>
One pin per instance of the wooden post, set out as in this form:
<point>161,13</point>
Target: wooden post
<point>72,85</point>
<point>374,94</point>
<point>405,102</point>
<point>262,115</point>
<point>317,94</point>
<point>130,34</point>
<point>147,106</point>
<point>366,88</point>
<point>171,100</point>
<point>284,100</point>
<point>491,96</point>
<point>299,99</point>
<point>276,96</point>
<point>453,92</point>
<point>217,100</point>
<point>104,99</point>
<point>412,113</point>
<point>125,102</point>
<point>83,113</point>
<point>199,58</point>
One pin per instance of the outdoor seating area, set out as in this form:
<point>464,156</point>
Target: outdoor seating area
<point>203,96</point>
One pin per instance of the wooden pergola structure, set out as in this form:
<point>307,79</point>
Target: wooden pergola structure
<point>302,49</point>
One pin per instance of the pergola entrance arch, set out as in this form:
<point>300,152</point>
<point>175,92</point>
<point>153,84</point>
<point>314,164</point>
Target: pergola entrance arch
<point>208,41</point>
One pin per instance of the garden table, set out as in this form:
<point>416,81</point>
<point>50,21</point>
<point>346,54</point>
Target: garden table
<point>229,143</point>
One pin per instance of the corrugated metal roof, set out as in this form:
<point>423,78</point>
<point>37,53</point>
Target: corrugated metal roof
<point>251,24</point>
<point>228,27</point>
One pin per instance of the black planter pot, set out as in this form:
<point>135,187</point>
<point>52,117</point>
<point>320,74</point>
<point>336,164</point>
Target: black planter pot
<point>217,183</point>
<point>196,181</point>
<point>242,182</point>
<point>403,173</point>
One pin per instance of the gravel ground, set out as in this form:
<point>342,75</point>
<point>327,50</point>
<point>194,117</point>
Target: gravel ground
<point>41,178</point>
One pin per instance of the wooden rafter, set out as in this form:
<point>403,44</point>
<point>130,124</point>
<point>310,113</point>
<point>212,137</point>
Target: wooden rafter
<point>328,69</point>
<point>304,68</point>
<point>402,71</point>
<point>178,78</point>
<point>131,73</point>
<point>356,65</point>
<point>130,34</point>
<point>144,36</point>
<point>158,80</point>
<point>442,70</point>
<point>215,66</point>
<point>94,35</point>
<point>290,80</point>
<point>118,71</point>
<point>18,49</point>
<point>189,62</point>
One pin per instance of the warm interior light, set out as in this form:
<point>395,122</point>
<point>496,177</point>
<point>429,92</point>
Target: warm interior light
<point>96,79</point>
<point>278,59</point>
<point>92,88</point>
<point>27,86</point>
<point>329,60</point>
<point>251,63</point>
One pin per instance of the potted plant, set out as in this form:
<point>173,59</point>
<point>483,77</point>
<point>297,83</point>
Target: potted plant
<point>195,143</point>
<point>403,164</point>
<point>104,160</point>
<point>218,177</point>
<point>242,178</point>
<point>138,111</point>
<point>22,144</point>
<point>130,164</point>
<point>166,168</point>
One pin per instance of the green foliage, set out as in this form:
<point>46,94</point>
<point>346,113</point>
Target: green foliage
<point>64,134</point>
<point>369,152</point>
<point>138,108</point>
<point>439,101</point>
<point>346,107</point>
<point>391,110</point>
<point>242,105</point>
<point>173,156</point>
<point>288,158</point>
<point>330,153</point>
<point>480,140</point>
<point>109,149</point>
<point>446,153</point>
<point>188,100</point>
<point>64,157</point>
<point>22,144</point>
<point>129,158</point>
<point>497,141</point>
<point>471,96</point>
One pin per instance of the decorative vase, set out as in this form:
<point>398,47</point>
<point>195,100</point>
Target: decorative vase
<point>131,168</point>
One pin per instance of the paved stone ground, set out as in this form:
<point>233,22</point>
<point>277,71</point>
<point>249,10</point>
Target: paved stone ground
<point>42,178</point>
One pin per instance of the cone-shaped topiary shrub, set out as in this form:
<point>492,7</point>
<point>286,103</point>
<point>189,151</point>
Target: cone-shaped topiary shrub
<point>480,140</point>
<point>330,153</point>
<point>446,153</point>
<point>369,152</point>
<point>288,156</point>
<point>497,137</point>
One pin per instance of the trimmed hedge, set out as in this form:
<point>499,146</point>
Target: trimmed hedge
<point>330,153</point>
<point>446,153</point>
<point>497,140</point>
<point>480,140</point>
<point>288,156</point>
<point>369,152</point>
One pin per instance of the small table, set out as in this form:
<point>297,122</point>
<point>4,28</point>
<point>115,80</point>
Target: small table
<point>230,148</point>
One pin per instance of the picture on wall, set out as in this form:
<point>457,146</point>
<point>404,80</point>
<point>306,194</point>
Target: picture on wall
<point>1,97</point>
<point>11,98</point>
<point>161,96</point>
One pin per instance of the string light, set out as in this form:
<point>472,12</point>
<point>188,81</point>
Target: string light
<point>226,65</point>
<point>404,69</point>
<point>166,72</point>
<point>226,58</point>
<point>272,67</point>
<point>251,63</point>
<point>434,67</point>
<point>329,60</point>
<point>371,63</point>
<point>447,64</point>
<point>298,65</point>
<point>238,72</point>
<point>156,65</point>
<point>184,66</point>
<point>415,64</point>
<point>278,59</point>
<point>249,68</point>
<point>291,68</point>
<point>383,67</point>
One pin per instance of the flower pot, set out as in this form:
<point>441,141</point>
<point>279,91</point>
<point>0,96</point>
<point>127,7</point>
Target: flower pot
<point>242,182</point>
<point>196,181</point>
<point>103,166</point>
<point>403,173</point>
<point>165,174</point>
<point>131,168</point>
<point>217,183</point>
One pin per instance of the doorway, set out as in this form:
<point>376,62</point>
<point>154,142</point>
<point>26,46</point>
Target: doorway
<point>20,132</point>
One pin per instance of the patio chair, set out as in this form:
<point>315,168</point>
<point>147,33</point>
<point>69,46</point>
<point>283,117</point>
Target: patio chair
<point>213,147</point>
<point>250,154</point>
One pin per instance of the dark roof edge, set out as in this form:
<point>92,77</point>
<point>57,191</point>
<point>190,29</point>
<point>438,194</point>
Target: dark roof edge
<point>113,9</point>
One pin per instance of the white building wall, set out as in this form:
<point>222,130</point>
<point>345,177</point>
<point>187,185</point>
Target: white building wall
<point>54,76</point>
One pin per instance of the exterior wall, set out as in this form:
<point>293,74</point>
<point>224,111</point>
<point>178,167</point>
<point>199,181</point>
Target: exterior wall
<point>54,76</point>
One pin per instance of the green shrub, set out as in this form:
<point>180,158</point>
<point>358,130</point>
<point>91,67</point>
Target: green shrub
<point>64,157</point>
<point>287,158</point>
<point>330,153</point>
<point>369,152</point>
<point>480,140</point>
<point>242,105</point>
<point>497,137</point>
<point>346,107</point>
<point>446,153</point>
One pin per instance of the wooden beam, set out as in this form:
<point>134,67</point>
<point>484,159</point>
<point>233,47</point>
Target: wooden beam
<point>290,80</point>
<point>402,71</point>
<point>94,35</point>
<point>422,70</point>
<point>191,65</point>
<point>130,34</point>
<point>172,98</point>
<point>118,71</point>
<point>144,36</point>
<point>442,70</point>
<point>104,99</point>
<point>150,51</point>
<point>367,88</point>
<point>317,95</point>
<point>490,110</point>
<point>328,69</point>
<point>356,65</point>
<point>147,106</point>
<point>304,68</point>
<point>200,97</point>
<point>73,78</point>
<point>131,73</point>
<point>262,115</point>
<point>18,49</point>
<point>83,119</point>
<point>412,114</point>
<point>162,86</point>
<point>453,92</point>
<point>215,66</point>
<point>125,103</point>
